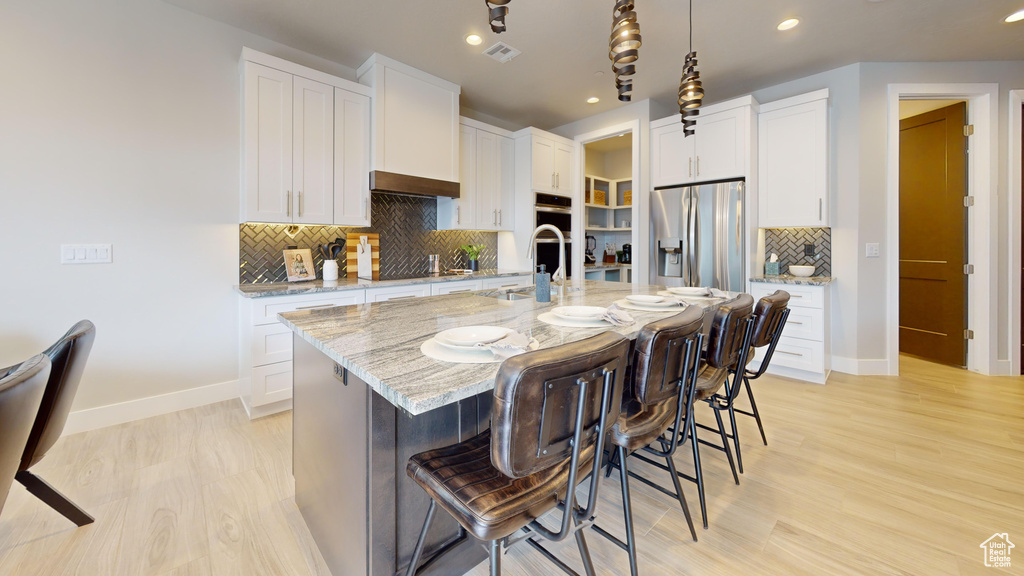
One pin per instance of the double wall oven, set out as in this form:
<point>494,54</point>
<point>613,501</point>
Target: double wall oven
<point>556,211</point>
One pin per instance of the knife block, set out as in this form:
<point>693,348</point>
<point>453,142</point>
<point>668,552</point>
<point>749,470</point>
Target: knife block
<point>352,255</point>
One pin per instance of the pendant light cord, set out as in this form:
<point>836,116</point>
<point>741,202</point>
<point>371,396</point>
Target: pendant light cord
<point>691,25</point>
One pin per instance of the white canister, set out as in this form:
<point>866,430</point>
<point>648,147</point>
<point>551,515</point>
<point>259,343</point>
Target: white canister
<point>330,271</point>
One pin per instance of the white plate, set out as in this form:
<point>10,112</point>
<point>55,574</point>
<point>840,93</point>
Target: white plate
<point>460,347</point>
<point>472,335</point>
<point>673,309</point>
<point>578,312</point>
<point>689,290</point>
<point>650,301</point>
<point>550,318</point>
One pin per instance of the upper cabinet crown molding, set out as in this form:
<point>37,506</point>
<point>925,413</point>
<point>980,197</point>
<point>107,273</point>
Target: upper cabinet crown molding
<point>795,100</point>
<point>415,120</point>
<point>257,57</point>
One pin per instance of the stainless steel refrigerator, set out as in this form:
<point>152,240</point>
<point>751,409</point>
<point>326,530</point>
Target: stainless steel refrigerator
<point>697,233</point>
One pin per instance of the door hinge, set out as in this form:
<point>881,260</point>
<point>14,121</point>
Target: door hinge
<point>968,334</point>
<point>968,201</point>
<point>968,268</point>
<point>969,130</point>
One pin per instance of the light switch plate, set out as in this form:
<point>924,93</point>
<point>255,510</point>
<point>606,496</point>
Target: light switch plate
<point>86,253</point>
<point>871,250</point>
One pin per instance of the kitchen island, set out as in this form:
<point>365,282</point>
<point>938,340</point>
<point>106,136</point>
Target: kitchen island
<point>366,399</point>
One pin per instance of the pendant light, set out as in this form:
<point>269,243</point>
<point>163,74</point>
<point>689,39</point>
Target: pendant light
<point>691,93</point>
<point>497,9</point>
<point>624,47</point>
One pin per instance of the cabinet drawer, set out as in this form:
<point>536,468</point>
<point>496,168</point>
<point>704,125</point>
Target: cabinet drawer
<point>271,383</point>
<point>799,296</point>
<point>806,323</point>
<point>507,282</point>
<point>457,287</point>
<point>397,292</point>
<point>271,343</point>
<point>797,353</point>
<point>265,310</point>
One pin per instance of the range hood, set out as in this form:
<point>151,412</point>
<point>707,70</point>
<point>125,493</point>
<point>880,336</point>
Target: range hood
<point>392,183</point>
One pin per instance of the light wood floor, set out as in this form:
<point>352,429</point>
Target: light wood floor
<point>867,475</point>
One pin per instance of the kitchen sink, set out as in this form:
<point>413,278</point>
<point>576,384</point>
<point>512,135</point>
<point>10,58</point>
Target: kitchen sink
<point>529,293</point>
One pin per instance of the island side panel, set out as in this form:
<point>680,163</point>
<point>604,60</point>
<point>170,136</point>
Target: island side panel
<point>329,459</point>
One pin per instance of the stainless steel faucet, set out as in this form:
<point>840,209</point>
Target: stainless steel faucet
<point>559,276</point>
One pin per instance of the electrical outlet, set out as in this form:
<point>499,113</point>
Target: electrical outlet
<point>871,250</point>
<point>85,253</point>
<point>808,249</point>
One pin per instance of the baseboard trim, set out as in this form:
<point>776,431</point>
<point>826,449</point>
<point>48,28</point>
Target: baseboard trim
<point>103,416</point>
<point>860,367</point>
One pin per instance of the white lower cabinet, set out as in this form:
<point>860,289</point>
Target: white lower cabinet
<point>803,351</point>
<point>457,287</point>
<point>397,292</point>
<point>265,359</point>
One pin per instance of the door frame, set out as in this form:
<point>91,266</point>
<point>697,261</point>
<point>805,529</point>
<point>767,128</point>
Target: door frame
<point>1014,220</point>
<point>982,220</point>
<point>639,184</point>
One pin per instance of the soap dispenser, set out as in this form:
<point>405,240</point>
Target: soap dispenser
<point>542,285</point>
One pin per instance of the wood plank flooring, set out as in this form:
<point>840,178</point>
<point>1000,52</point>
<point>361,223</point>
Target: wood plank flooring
<point>867,475</point>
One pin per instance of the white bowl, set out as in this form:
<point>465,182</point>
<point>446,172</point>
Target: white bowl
<point>472,335</point>
<point>690,290</point>
<point>645,299</point>
<point>803,271</point>
<point>578,312</point>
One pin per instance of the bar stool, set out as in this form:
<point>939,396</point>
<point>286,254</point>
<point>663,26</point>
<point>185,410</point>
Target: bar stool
<point>658,395</point>
<point>769,319</point>
<point>552,411</point>
<point>21,390</point>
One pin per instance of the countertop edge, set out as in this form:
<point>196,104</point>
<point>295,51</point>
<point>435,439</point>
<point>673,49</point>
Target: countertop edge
<point>317,286</point>
<point>794,280</point>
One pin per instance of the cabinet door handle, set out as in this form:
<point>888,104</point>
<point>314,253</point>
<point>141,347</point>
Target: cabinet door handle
<point>458,214</point>
<point>300,203</point>
<point>795,296</point>
<point>820,202</point>
<point>461,291</point>
<point>558,180</point>
<point>316,306</point>
<point>499,217</point>
<point>366,209</point>
<point>789,353</point>
<point>698,165</point>
<point>494,217</point>
<point>402,297</point>
<point>690,169</point>
<point>509,285</point>
<point>552,180</point>
<point>794,322</point>
<point>288,203</point>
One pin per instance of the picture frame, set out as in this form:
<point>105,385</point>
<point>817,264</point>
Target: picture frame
<point>298,264</point>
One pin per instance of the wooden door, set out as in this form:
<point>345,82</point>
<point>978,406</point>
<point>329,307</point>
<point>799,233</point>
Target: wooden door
<point>933,286</point>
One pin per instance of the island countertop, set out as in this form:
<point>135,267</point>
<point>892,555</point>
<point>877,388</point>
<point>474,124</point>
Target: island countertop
<point>380,342</point>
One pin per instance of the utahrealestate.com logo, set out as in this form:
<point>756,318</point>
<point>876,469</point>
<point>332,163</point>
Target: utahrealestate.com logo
<point>997,550</point>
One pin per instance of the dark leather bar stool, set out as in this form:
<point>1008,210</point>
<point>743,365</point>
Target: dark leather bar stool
<point>659,395</point>
<point>552,411</point>
<point>769,319</point>
<point>67,356</point>
<point>21,391</point>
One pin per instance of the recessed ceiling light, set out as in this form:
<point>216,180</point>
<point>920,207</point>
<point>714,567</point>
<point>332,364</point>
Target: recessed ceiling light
<point>474,40</point>
<point>788,24</point>
<point>593,100</point>
<point>1015,17</point>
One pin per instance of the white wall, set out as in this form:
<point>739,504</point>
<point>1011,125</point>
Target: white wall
<point>119,123</point>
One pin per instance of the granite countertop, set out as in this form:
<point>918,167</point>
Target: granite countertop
<point>606,266</point>
<point>380,342</point>
<point>798,280</point>
<point>314,286</point>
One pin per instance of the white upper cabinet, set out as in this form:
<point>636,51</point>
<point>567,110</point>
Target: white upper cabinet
<point>312,152</point>
<point>793,156</point>
<point>266,192</point>
<point>305,145</point>
<point>415,120</point>
<point>351,158</point>
<point>487,166</point>
<point>718,150</point>
<point>551,166</point>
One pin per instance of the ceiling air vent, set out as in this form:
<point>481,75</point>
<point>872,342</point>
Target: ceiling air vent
<point>502,52</point>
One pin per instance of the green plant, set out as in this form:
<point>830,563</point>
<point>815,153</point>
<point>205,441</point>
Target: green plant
<point>473,250</point>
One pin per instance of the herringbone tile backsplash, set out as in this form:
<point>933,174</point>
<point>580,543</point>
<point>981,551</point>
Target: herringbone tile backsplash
<point>789,244</point>
<point>406,225</point>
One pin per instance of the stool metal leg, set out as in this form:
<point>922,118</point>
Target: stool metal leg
<point>725,445</point>
<point>422,540</point>
<point>753,409</point>
<point>495,554</point>
<point>682,498</point>
<point>581,542</point>
<point>697,473</point>
<point>736,439</point>
<point>627,511</point>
